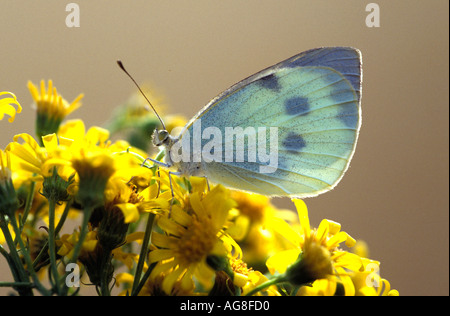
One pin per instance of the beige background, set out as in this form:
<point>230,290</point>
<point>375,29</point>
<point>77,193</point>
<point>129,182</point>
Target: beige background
<point>394,196</point>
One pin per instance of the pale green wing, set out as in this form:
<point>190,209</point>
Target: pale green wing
<point>316,112</point>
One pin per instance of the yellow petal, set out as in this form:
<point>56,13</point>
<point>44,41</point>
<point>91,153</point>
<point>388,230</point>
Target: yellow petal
<point>130,212</point>
<point>72,129</point>
<point>286,232</point>
<point>171,278</point>
<point>282,260</point>
<point>335,240</point>
<point>159,255</point>
<point>170,226</point>
<point>97,135</point>
<point>303,217</point>
<point>322,231</point>
<point>124,278</point>
<point>89,245</point>
<point>180,216</point>
<point>137,236</point>
<point>334,227</point>
<point>50,142</point>
<point>162,241</point>
<point>347,260</point>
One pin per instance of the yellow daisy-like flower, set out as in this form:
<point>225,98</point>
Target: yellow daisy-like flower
<point>51,107</point>
<point>29,157</point>
<point>133,204</point>
<point>6,106</point>
<point>191,235</point>
<point>154,287</point>
<point>369,283</point>
<point>93,157</point>
<point>248,279</point>
<point>315,255</point>
<point>51,102</point>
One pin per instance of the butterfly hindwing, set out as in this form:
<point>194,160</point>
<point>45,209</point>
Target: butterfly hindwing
<point>312,100</point>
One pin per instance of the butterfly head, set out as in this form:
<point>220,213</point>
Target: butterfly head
<point>161,137</point>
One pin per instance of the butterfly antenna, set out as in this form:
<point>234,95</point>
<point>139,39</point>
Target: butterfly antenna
<point>149,103</point>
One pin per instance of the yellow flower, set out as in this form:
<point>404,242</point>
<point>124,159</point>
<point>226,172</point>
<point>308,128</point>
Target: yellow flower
<point>191,235</point>
<point>29,158</point>
<point>314,254</point>
<point>51,108</point>
<point>67,244</point>
<point>92,255</point>
<point>133,203</point>
<point>6,106</point>
<point>93,157</point>
<point>248,279</point>
<point>124,205</point>
<point>369,283</point>
<point>51,102</point>
<point>255,226</point>
<point>154,287</point>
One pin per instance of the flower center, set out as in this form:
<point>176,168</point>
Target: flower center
<point>197,241</point>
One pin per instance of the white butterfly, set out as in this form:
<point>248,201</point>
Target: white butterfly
<point>312,103</point>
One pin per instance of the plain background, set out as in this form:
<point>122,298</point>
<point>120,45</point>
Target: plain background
<point>395,195</point>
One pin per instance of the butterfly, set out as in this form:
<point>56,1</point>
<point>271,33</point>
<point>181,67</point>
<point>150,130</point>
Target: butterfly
<point>312,104</point>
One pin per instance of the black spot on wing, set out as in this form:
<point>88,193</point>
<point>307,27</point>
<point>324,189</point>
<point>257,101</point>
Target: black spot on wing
<point>348,106</point>
<point>270,82</point>
<point>296,106</point>
<point>294,142</point>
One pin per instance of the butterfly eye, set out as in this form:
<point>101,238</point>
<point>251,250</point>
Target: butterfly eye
<point>160,137</point>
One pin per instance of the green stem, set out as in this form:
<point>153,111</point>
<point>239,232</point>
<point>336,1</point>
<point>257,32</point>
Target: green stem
<point>51,243</point>
<point>27,258</point>
<point>16,284</point>
<point>16,271</point>
<point>15,259</point>
<point>77,250</point>
<point>28,205</point>
<point>104,282</point>
<point>84,230</point>
<point>58,228</point>
<point>144,279</point>
<point>143,253</point>
<point>276,280</point>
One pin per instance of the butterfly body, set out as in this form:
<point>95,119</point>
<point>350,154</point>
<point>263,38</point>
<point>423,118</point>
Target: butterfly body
<point>289,130</point>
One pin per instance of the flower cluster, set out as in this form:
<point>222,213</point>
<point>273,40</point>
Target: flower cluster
<point>72,197</point>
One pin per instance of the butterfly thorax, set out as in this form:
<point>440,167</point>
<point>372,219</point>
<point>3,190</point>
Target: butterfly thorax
<point>161,138</point>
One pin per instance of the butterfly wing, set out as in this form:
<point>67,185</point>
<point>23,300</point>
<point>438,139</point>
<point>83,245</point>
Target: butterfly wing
<point>312,100</point>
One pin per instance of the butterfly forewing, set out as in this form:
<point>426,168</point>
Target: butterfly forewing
<point>312,101</point>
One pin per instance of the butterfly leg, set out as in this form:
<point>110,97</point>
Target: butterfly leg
<point>158,182</point>
<point>156,162</point>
